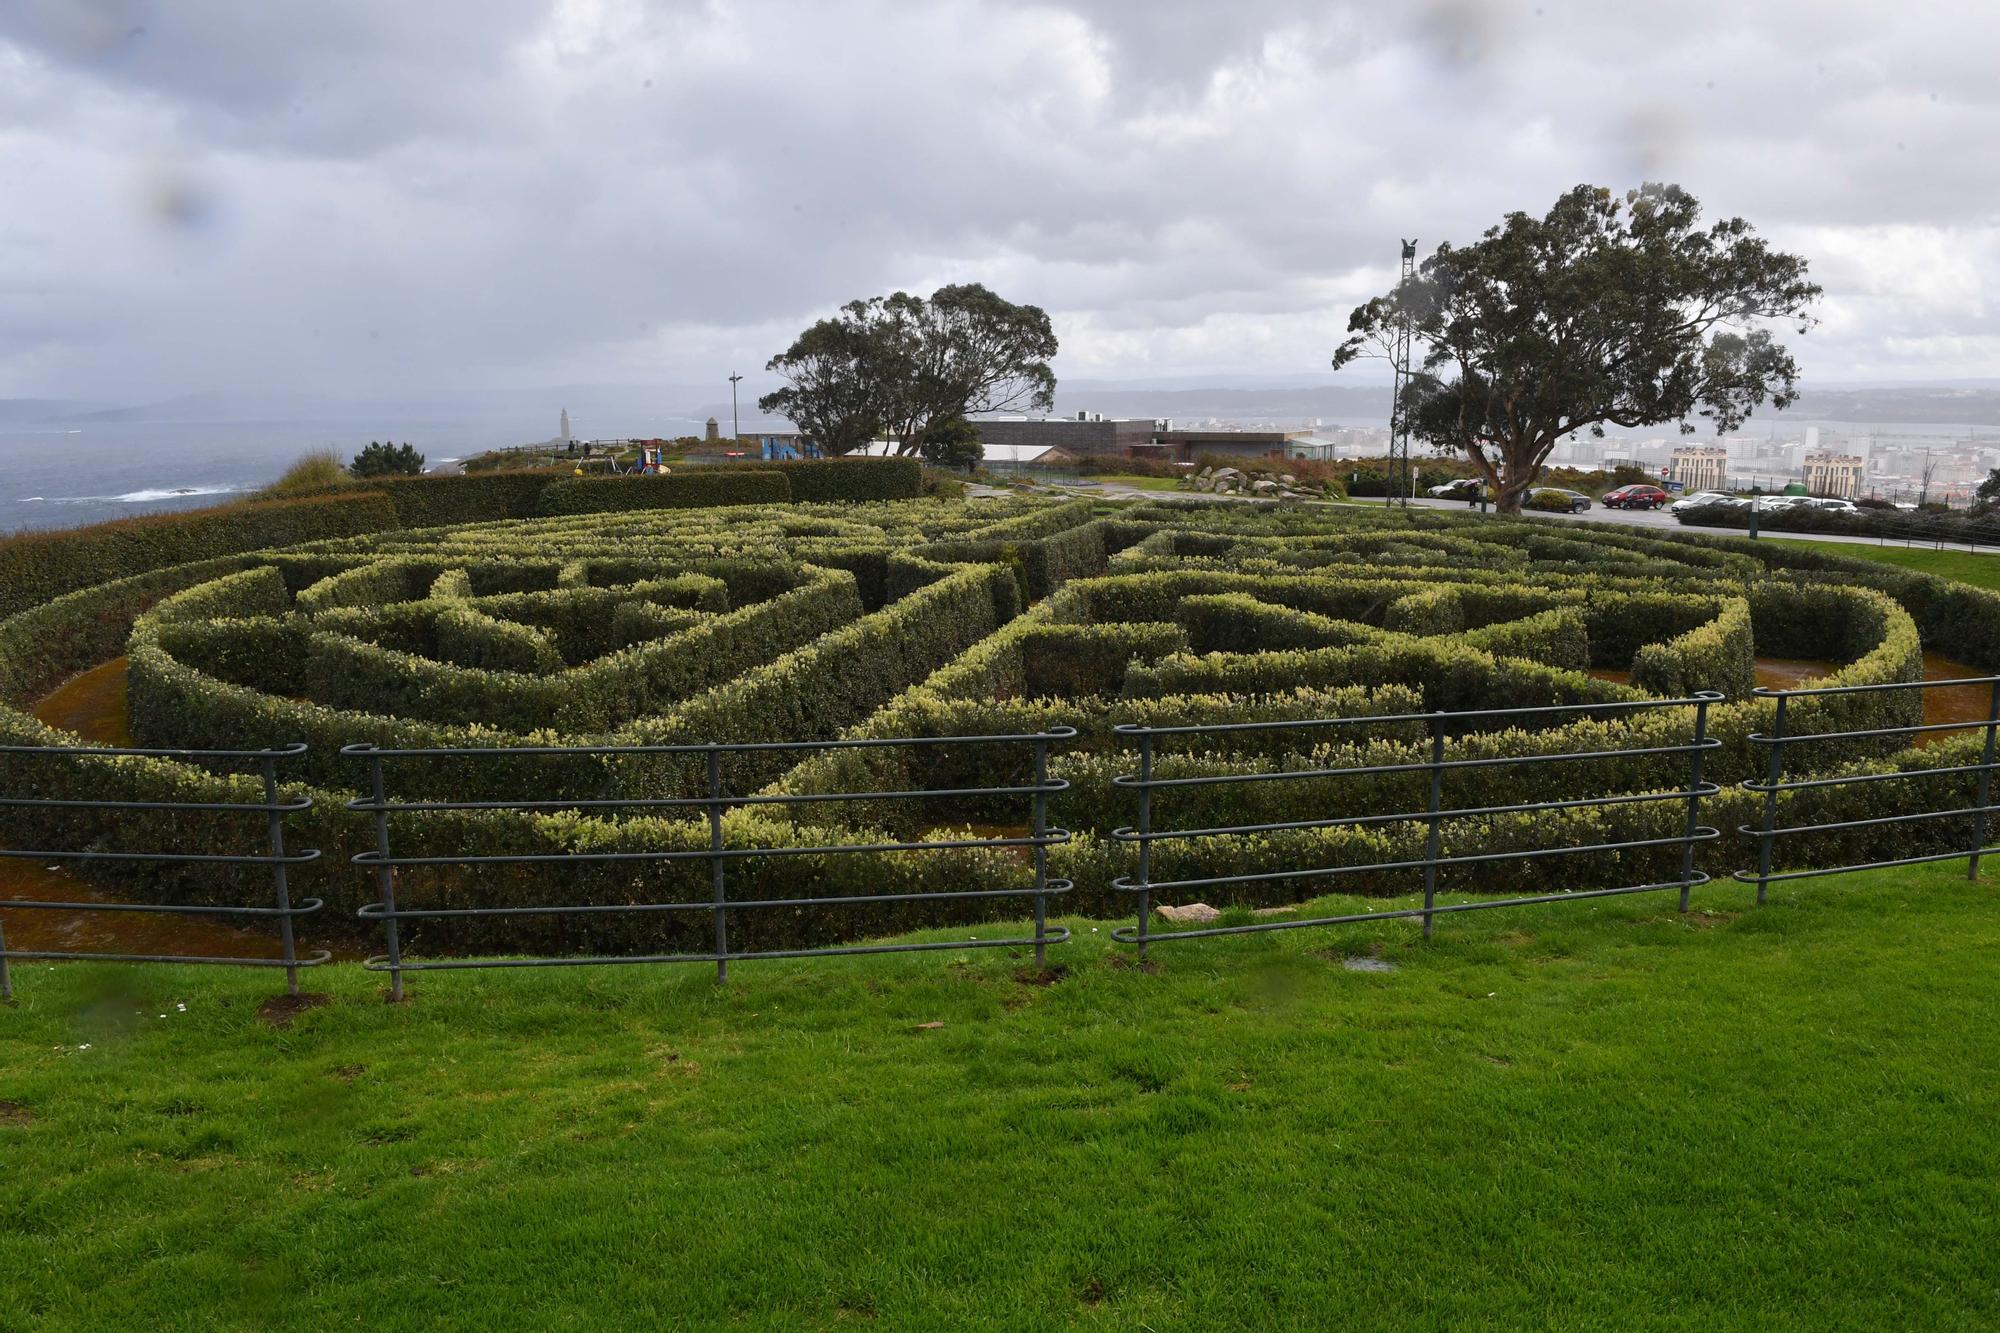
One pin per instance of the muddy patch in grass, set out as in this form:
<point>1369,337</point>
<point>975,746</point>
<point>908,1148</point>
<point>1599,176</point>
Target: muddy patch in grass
<point>1695,918</point>
<point>13,1113</point>
<point>280,1010</point>
<point>1125,962</point>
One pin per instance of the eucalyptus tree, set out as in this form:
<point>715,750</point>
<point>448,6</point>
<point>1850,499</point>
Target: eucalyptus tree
<point>1608,311</point>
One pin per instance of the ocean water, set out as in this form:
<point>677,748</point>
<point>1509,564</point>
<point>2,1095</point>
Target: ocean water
<point>60,476</point>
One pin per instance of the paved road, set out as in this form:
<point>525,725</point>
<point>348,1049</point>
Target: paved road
<point>1656,520</point>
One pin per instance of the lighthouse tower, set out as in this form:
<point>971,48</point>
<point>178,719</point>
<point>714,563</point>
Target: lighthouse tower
<point>564,437</point>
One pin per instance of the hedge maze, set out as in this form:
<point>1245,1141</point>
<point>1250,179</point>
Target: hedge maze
<point>798,621</point>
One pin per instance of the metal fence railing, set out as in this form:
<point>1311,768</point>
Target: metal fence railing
<point>383,860</point>
<point>1434,827</point>
<point>273,808</point>
<point>1767,833</point>
<point>1145,784</point>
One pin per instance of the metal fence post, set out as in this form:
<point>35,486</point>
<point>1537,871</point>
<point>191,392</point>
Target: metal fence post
<point>1985,780</point>
<point>1041,818</point>
<point>1145,839</point>
<point>1774,770</point>
<point>1694,801</point>
<point>715,863</point>
<point>274,824</point>
<point>1432,839</point>
<point>6,977</point>
<point>385,875</point>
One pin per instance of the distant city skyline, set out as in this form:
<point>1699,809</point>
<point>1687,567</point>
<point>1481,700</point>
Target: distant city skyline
<point>377,197</point>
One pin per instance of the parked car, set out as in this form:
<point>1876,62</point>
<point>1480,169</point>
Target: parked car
<point>1830,504</point>
<point>1635,496</point>
<point>1578,502</point>
<point>1720,504</point>
<point>1697,500</point>
<point>1459,488</point>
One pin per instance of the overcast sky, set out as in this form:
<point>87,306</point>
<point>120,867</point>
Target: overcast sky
<point>356,196</point>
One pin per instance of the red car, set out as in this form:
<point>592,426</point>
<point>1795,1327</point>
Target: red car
<point>1635,497</point>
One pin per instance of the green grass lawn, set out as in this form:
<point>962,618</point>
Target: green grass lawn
<point>1587,1116</point>
<point>1982,570</point>
<point>1143,483</point>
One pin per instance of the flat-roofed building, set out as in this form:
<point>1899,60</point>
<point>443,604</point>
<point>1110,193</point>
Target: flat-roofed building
<point>1189,446</point>
<point>1083,435</point>
<point>1700,467</point>
<point>1087,435</point>
<point>1834,475</point>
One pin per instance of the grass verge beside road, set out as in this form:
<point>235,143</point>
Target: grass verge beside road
<point>1979,569</point>
<point>1601,1114</point>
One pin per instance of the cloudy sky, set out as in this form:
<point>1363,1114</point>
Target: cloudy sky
<point>394,195</point>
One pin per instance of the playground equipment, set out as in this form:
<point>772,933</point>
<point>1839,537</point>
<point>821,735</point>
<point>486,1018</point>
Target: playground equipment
<point>777,450</point>
<point>652,460</point>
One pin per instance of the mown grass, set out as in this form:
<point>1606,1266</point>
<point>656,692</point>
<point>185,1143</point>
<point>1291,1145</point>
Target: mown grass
<point>1139,483</point>
<point>1594,1115</point>
<point>1981,570</point>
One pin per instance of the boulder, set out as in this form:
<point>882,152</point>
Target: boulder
<point>1189,914</point>
<point>1288,479</point>
<point>1263,486</point>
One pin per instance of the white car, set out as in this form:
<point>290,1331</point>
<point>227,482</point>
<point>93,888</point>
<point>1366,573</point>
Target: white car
<point>1696,501</point>
<point>1830,504</point>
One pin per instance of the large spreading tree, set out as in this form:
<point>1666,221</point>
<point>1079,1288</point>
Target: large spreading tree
<point>1607,312</point>
<point>901,364</point>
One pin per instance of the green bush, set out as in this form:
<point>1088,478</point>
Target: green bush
<point>1720,655</point>
<point>844,480</point>
<point>690,488</point>
<point>36,567</point>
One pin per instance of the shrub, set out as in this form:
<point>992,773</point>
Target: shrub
<point>692,488</point>
<point>319,470</point>
<point>385,459</point>
<point>36,567</point>
<point>844,480</point>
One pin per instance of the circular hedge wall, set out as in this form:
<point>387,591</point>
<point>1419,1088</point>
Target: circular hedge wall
<point>795,622</point>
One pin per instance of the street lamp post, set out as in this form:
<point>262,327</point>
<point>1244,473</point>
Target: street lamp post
<point>735,426</point>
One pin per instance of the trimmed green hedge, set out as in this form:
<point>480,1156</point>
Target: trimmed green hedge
<point>1720,655</point>
<point>1300,615</point>
<point>478,497</point>
<point>843,480</point>
<point>691,488</point>
<point>37,567</point>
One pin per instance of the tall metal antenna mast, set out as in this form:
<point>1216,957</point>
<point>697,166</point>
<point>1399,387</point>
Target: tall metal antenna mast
<point>1401,485</point>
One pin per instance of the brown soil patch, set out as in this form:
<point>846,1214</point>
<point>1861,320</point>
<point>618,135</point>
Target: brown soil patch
<point>1125,962</point>
<point>13,1113</point>
<point>93,704</point>
<point>1963,703</point>
<point>280,1010</point>
<point>1047,976</point>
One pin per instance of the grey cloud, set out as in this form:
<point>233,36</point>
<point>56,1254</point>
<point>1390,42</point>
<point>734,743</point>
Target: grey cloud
<point>346,196</point>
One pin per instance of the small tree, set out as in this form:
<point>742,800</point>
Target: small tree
<point>1989,490</point>
<point>1601,313</point>
<point>952,443</point>
<point>385,459</point>
<point>900,363</point>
